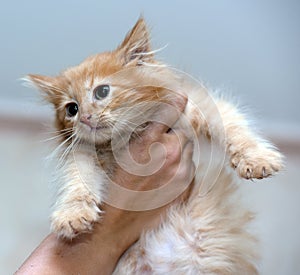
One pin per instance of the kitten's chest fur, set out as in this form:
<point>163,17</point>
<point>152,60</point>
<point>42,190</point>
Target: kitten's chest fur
<point>105,153</point>
<point>105,158</point>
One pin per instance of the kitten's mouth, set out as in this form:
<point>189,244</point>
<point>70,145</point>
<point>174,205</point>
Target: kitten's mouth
<point>98,134</point>
<point>98,128</point>
<point>94,127</point>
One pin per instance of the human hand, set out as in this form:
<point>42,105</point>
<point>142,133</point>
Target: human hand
<point>98,253</point>
<point>153,173</point>
<point>142,200</point>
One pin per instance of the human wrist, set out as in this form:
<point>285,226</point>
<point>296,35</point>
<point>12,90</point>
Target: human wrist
<point>114,233</point>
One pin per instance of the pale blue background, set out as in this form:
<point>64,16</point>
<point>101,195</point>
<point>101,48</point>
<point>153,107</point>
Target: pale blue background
<point>250,48</point>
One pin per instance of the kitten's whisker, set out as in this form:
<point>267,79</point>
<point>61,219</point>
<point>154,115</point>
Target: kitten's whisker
<point>69,147</point>
<point>67,151</point>
<point>76,145</point>
<point>60,135</point>
<point>42,84</point>
<point>59,131</point>
<point>151,52</point>
<point>153,65</point>
<point>60,161</point>
<point>50,86</point>
<point>53,138</point>
<point>121,139</point>
<point>61,144</point>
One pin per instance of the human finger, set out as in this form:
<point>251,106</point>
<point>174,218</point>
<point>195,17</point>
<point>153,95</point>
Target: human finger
<point>169,112</point>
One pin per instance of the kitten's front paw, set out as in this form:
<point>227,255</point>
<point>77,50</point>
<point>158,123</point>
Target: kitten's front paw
<point>75,218</point>
<point>257,163</point>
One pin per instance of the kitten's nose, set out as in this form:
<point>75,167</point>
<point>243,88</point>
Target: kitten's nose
<point>86,119</point>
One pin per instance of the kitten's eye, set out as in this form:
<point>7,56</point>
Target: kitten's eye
<point>101,91</point>
<point>71,109</point>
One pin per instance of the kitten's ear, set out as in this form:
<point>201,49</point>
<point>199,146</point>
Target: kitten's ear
<point>136,45</point>
<point>48,85</point>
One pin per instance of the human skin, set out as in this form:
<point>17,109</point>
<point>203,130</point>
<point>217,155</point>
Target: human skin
<point>98,252</point>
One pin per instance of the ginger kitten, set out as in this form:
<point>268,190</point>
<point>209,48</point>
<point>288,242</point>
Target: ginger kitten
<point>115,94</point>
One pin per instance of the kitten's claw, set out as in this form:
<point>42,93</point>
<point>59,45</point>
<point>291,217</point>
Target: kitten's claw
<point>257,163</point>
<point>248,174</point>
<point>264,172</point>
<point>77,217</point>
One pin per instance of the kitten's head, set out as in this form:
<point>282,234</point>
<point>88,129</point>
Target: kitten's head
<point>94,96</point>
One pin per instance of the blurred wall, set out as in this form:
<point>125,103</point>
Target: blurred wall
<point>247,48</point>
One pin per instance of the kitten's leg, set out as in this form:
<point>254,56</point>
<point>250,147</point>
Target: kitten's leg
<point>250,155</point>
<point>78,196</point>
